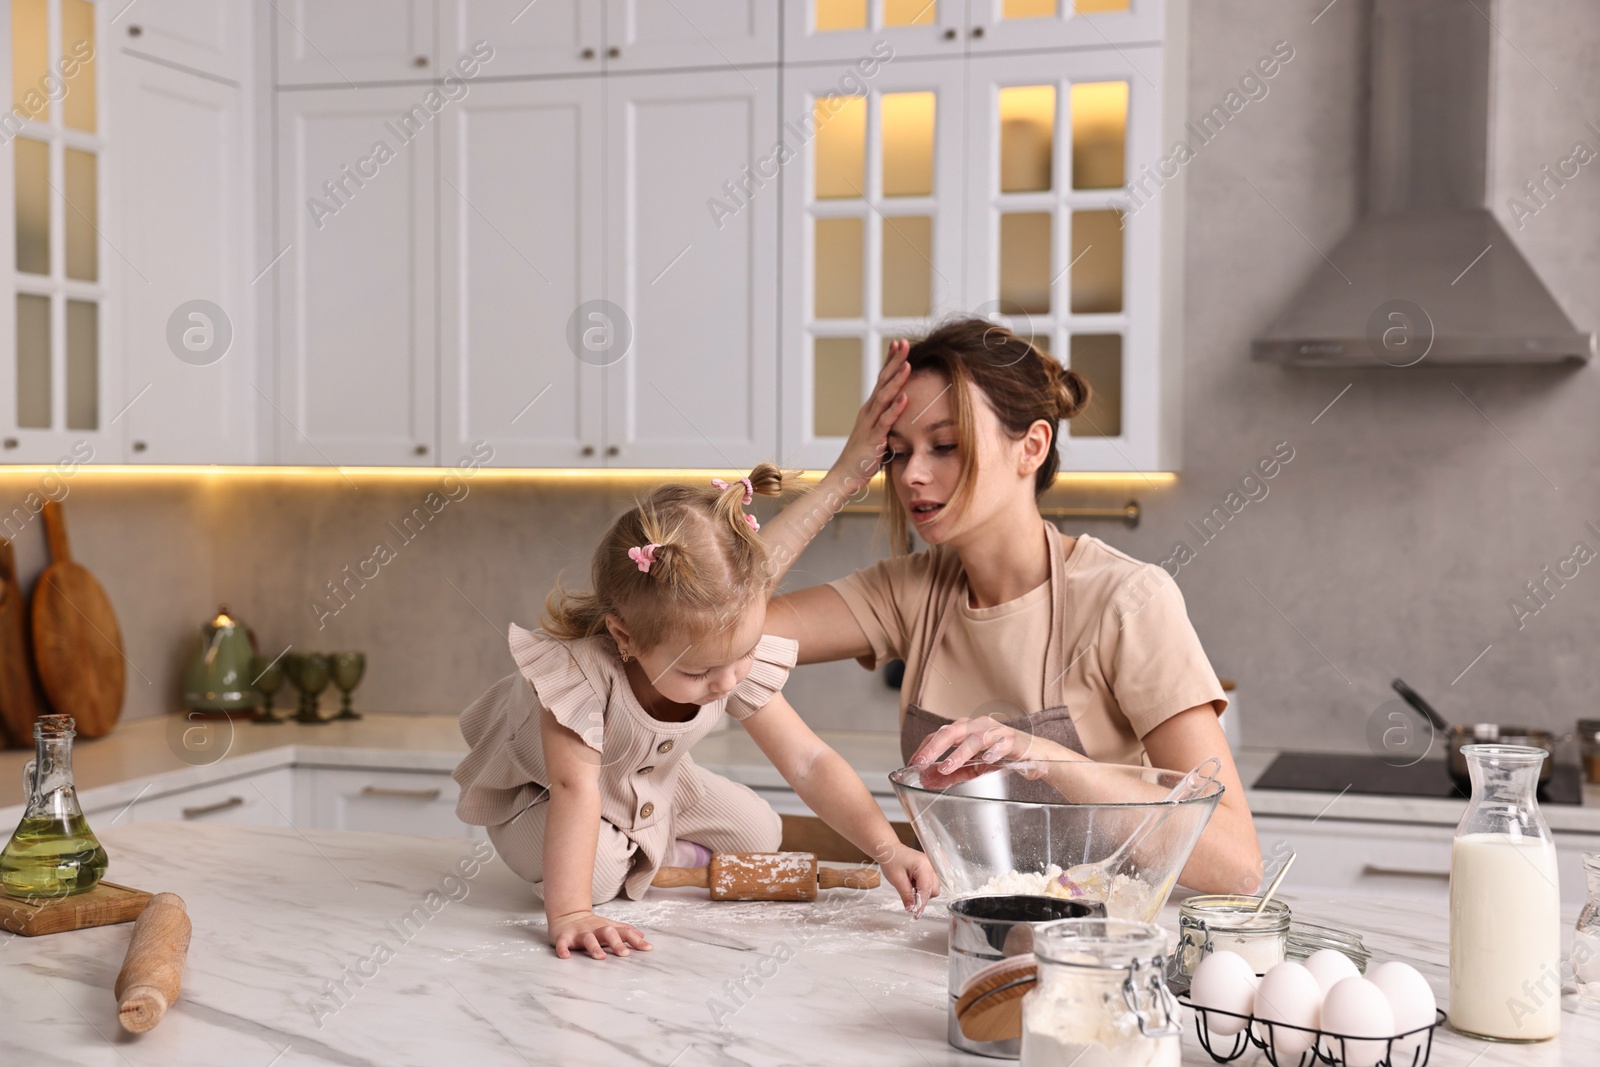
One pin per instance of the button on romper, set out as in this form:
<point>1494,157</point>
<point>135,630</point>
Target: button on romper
<point>651,791</point>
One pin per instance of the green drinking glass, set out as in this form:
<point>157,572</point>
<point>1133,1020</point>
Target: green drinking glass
<point>348,667</point>
<point>313,679</point>
<point>268,675</point>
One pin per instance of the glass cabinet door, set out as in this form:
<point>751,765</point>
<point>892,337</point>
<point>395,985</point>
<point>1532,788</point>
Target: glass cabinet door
<point>1055,248</point>
<point>1012,25</point>
<point>872,236</point>
<point>846,31</point>
<point>55,390</point>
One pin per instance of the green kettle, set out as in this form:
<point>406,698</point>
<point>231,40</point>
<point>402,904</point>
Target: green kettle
<point>218,678</point>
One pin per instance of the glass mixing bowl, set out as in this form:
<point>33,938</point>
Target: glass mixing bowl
<point>1018,827</point>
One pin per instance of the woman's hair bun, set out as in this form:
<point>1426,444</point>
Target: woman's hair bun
<point>1072,393</point>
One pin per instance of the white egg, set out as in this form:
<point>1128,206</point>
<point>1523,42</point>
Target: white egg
<point>1356,1008</point>
<point>1224,981</point>
<point>1289,994</point>
<point>1329,967</point>
<point>1412,1001</point>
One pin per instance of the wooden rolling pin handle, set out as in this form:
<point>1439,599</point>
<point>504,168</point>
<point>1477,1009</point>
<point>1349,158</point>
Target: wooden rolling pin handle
<point>847,878</point>
<point>677,877</point>
<point>153,969</point>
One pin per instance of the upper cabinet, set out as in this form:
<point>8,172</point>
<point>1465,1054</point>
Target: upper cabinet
<point>185,197</point>
<point>874,214</point>
<point>992,186</point>
<point>208,36</point>
<point>336,42</point>
<point>691,269</point>
<point>680,34</point>
<point>521,213</point>
<point>1025,25</point>
<point>846,30</point>
<point>356,350</point>
<point>61,393</point>
<point>549,37</point>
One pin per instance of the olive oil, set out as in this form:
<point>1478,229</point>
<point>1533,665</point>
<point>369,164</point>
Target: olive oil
<point>52,857</point>
<point>53,853</point>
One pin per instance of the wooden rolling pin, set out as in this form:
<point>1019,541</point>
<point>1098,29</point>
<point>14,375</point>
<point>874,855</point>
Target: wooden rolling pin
<point>766,876</point>
<point>151,973</point>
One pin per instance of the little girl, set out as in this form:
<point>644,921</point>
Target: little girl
<point>579,764</point>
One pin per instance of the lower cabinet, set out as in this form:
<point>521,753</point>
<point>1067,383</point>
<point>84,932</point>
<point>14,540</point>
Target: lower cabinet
<point>390,802</point>
<point>421,803</point>
<point>1391,859</point>
<point>264,799</point>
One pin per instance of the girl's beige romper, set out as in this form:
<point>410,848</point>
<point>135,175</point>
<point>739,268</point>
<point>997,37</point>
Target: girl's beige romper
<point>651,792</point>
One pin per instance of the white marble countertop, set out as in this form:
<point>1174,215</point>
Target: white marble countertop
<point>302,955</point>
<point>112,770</point>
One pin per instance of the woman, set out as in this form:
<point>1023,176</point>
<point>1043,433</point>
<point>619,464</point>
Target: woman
<point>1018,642</point>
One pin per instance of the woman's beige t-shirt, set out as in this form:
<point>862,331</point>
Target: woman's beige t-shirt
<point>1133,660</point>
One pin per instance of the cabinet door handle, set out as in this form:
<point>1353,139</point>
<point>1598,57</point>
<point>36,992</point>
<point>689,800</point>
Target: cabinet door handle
<point>950,35</point>
<point>977,31</point>
<point>613,450</point>
<point>421,450</point>
<point>420,61</point>
<point>11,442</point>
<point>207,809</point>
<point>140,446</point>
<point>409,794</point>
<point>134,31</point>
<point>587,53</point>
<point>588,450</point>
<point>614,52</point>
<point>1400,872</point>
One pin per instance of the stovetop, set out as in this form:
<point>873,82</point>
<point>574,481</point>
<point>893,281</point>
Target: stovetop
<point>1336,772</point>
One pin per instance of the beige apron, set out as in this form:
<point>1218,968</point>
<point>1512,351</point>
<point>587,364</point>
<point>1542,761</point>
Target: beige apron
<point>1054,723</point>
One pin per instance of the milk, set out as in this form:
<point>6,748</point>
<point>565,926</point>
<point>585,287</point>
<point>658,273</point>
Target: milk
<point>1505,937</point>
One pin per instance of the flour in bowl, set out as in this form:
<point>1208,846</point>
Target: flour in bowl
<point>1125,897</point>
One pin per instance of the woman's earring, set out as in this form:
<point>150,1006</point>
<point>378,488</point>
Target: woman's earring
<point>624,654</point>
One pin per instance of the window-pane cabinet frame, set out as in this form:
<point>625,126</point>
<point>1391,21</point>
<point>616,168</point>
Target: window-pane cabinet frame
<point>39,445</point>
<point>988,32</point>
<point>802,87</point>
<point>1138,445</point>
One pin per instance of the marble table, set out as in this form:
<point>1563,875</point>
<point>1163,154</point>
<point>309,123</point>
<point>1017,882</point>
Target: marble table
<point>322,947</point>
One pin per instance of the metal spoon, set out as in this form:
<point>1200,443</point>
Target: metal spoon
<point>1273,888</point>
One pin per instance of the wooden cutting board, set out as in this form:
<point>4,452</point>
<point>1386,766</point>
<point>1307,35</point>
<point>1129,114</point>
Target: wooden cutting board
<point>105,905</point>
<point>76,641</point>
<point>20,700</point>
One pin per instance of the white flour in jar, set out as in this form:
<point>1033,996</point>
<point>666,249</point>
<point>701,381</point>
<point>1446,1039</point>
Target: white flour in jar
<point>1081,1027</point>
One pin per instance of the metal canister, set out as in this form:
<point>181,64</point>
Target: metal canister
<point>992,966</point>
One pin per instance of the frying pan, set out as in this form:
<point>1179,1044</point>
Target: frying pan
<point>1480,733</point>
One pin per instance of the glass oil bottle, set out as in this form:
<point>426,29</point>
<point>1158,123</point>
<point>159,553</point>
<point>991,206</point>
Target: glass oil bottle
<point>53,852</point>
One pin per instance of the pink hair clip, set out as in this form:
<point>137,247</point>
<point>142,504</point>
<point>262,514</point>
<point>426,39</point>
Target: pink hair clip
<point>749,490</point>
<point>754,525</point>
<point>643,556</point>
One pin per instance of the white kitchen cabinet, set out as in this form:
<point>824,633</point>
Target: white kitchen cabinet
<point>188,330</point>
<point>874,214</point>
<point>209,36</point>
<point>1005,25</point>
<point>264,799</point>
<point>1053,139</point>
<point>678,34</point>
<point>549,37</point>
<point>339,42</point>
<point>357,355</point>
<point>844,31</point>
<point>391,802</point>
<point>1392,859</point>
<point>693,268</point>
<point>521,201</point>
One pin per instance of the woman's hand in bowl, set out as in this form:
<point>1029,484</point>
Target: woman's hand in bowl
<point>958,751</point>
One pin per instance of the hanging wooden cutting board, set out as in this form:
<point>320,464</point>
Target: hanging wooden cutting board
<point>76,641</point>
<point>20,700</point>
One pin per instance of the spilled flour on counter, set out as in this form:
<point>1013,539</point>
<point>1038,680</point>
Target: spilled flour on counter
<point>1125,897</point>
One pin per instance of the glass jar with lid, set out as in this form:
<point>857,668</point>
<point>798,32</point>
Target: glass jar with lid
<point>1586,940</point>
<point>1222,922</point>
<point>1101,999</point>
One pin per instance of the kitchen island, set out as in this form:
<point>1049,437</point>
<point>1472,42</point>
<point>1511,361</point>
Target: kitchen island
<point>325,947</point>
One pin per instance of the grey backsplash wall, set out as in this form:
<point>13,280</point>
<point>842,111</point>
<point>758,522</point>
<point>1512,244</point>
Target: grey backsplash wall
<point>1414,510</point>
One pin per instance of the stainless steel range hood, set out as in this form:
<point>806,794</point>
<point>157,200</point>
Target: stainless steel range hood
<point>1427,273</point>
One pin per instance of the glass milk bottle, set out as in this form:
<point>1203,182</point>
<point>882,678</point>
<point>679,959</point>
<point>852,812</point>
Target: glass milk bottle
<point>1505,908</point>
